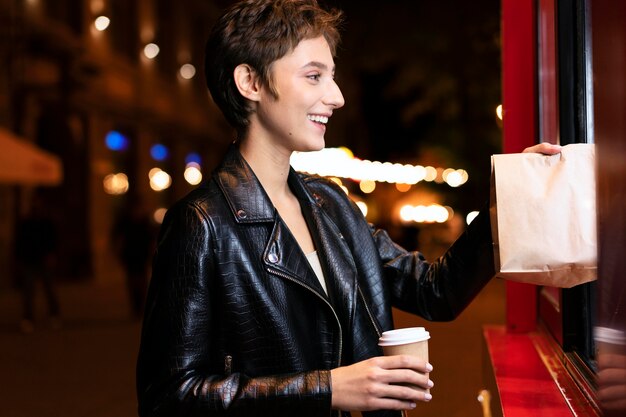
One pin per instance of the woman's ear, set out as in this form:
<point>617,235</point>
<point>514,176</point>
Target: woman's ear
<point>247,82</point>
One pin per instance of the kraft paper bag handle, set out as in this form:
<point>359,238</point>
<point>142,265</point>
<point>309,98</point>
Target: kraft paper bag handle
<point>543,216</point>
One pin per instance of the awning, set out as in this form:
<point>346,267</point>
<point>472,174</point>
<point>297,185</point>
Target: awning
<point>23,163</point>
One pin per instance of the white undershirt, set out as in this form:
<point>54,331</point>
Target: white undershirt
<point>314,260</point>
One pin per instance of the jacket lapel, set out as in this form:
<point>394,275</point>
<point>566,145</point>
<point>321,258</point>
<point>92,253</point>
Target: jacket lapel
<point>250,204</point>
<point>284,258</point>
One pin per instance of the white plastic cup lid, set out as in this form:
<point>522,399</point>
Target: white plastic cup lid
<point>403,336</point>
<point>608,335</point>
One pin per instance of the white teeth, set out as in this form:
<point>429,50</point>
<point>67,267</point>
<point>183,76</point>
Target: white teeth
<point>318,119</point>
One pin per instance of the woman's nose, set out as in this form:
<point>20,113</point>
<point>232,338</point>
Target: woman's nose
<point>334,97</point>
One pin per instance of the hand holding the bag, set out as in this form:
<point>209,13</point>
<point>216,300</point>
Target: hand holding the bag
<point>544,148</point>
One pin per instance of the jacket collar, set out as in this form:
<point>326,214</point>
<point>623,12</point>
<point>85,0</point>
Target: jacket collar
<point>249,203</point>
<point>246,197</point>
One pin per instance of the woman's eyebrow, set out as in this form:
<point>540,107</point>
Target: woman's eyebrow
<point>319,65</point>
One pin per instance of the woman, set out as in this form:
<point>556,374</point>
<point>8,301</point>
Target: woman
<point>270,290</point>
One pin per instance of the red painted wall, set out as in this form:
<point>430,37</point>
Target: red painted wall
<point>519,89</point>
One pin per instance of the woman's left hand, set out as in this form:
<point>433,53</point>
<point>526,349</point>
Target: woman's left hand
<point>544,148</point>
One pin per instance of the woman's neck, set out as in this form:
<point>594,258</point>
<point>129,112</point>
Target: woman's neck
<point>271,166</point>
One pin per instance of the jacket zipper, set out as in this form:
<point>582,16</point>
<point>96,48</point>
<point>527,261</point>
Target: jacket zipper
<point>281,274</point>
<point>369,313</point>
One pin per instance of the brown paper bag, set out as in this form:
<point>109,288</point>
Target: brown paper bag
<point>543,216</point>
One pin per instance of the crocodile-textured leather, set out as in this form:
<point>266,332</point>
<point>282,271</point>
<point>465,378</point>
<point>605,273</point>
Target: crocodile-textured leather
<point>236,321</point>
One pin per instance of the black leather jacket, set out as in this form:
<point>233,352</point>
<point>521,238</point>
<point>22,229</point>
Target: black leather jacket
<point>237,322</point>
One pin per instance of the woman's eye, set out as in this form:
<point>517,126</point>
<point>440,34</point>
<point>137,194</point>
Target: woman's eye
<point>314,77</point>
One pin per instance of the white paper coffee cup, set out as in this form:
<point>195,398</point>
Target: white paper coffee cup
<point>408,341</point>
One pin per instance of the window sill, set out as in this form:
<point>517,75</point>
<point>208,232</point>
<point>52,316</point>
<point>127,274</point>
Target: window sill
<point>527,378</point>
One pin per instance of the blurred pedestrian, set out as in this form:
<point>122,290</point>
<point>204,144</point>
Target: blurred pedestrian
<point>36,250</point>
<point>134,241</point>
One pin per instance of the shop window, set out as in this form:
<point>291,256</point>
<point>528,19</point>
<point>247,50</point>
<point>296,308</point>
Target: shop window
<point>167,36</point>
<point>124,29</point>
<point>566,116</point>
<point>67,12</point>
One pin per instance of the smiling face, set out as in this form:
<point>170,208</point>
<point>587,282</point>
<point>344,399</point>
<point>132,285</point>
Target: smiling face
<point>307,96</point>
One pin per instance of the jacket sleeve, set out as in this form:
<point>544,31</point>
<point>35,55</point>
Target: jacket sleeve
<point>176,375</point>
<point>441,290</point>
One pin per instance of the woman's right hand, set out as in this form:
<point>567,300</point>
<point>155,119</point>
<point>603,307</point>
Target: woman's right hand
<point>373,384</point>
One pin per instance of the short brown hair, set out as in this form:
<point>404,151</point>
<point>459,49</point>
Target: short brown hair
<point>257,33</point>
